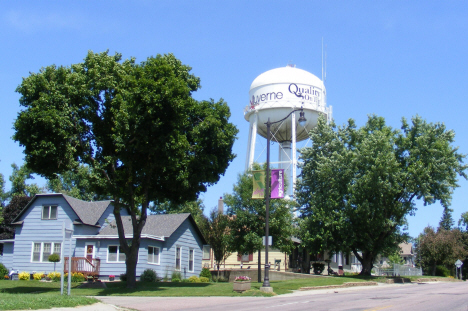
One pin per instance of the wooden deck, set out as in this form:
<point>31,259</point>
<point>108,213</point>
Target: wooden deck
<point>84,265</point>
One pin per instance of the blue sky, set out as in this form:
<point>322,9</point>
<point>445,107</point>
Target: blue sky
<point>391,58</point>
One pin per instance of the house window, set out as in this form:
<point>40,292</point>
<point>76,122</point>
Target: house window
<point>49,212</point>
<point>244,257</point>
<point>177,259</point>
<point>190,263</point>
<point>42,250</point>
<point>153,255</point>
<point>206,252</point>
<point>115,254</point>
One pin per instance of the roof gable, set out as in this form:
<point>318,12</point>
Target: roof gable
<point>87,212</point>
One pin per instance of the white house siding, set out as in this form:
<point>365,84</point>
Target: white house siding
<point>34,229</point>
<point>185,237</point>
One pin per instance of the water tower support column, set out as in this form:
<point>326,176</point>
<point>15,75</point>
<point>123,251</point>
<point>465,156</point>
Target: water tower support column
<point>251,144</point>
<point>293,154</point>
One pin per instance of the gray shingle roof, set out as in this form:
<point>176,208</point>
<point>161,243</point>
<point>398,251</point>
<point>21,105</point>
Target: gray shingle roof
<point>157,225</point>
<point>88,212</point>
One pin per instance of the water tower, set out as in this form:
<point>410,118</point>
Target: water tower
<point>275,94</point>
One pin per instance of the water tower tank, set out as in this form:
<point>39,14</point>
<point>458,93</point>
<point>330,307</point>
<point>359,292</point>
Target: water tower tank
<point>273,95</point>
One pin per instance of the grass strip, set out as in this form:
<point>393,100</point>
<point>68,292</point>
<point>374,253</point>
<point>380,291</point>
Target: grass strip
<point>23,301</point>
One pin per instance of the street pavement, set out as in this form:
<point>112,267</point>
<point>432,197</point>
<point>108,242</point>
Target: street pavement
<point>414,296</point>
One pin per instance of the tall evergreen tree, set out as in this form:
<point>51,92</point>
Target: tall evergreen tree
<point>446,222</point>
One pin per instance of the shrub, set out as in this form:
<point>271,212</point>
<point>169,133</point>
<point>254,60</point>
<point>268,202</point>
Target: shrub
<point>194,279</point>
<point>54,258</point>
<point>149,275</point>
<point>175,280</point>
<point>204,280</point>
<point>242,278</point>
<point>123,277</point>
<point>54,276</point>
<point>38,276</point>
<point>176,275</point>
<point>205,272</point>
<point>24,276</point>
<point>220,279</point>
<point>3,271</point>
<point>442,271</point>
<point>318,267</point>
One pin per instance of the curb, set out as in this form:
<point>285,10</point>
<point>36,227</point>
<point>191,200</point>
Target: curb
<point>344,285</point>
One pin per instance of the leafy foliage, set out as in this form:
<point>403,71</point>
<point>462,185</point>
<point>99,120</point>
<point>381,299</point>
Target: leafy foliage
<point>3,271</point>
<point>446,222</point>
<point>18,182</point>
<point>54,257</point>
<point>248,225</point>
<point>135,126</point>
<point>149,275</point>
<point>395,258</point>
<point>75,183</point>
<point>215,229</point>
<point>442,247</point>
<point>3,194</point>
<point>194,279</point>
<point>10,212</point>
<point>358,185</point>
<point>205,273</point>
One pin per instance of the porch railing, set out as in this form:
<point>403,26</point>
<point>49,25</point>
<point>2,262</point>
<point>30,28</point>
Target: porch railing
<point>84,265</point>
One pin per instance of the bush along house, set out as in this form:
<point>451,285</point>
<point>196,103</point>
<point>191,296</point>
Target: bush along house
<point>169,243</point>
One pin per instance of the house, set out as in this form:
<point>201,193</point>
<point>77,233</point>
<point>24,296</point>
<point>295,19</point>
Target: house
<point>406,253</point>
<point>168,242</point>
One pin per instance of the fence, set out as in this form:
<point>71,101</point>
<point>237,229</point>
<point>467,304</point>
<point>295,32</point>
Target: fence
<point>397,270</point>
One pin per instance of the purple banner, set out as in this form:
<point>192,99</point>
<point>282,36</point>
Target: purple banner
<point>277,184</point>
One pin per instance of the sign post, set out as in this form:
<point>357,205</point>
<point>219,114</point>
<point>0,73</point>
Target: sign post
<point>66,234</point>
<point>458,264</point>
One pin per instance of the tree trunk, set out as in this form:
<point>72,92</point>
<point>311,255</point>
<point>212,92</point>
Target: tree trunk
<point>131,263</point>
<point>367,261</point>
<point>259,273</point>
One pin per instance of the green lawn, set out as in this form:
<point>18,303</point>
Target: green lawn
<point>24,295</point>
<point>41,295</point>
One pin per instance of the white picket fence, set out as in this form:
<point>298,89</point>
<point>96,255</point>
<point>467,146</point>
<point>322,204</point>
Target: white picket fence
<point>397,270</point>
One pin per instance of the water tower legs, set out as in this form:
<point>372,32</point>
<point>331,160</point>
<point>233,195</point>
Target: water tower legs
<point>251,141</point>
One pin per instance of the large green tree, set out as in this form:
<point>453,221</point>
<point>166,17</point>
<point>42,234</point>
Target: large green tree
<point>441,247</point>
<point>359,184</point>
<point>247,227</point>
<point>18,182</point>
<point>13,208</point>
<point>3,193</point>
<point>137,127</point>
<point>75,183</point>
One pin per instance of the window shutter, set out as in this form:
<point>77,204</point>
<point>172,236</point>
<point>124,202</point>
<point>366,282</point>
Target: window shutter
<point>251,257</point>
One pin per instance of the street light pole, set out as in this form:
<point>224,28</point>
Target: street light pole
<point>301,121</point>
<point>266,280</point>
